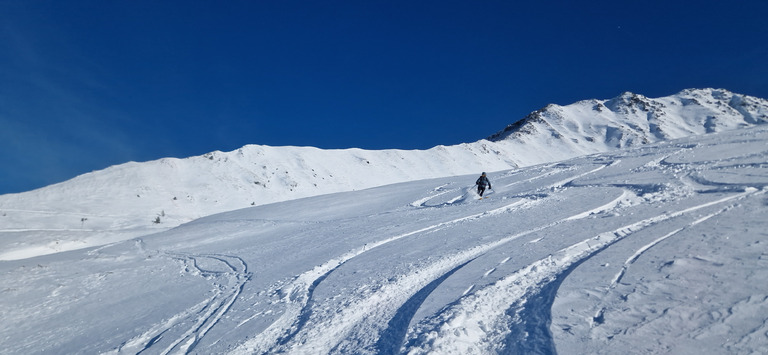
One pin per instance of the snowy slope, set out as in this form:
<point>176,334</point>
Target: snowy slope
<point>594,126</point>
<point>654,249</point>
<point>125,201</point>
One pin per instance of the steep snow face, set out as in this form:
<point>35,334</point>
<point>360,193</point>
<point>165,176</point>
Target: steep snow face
<point>135,199</point>
<point>659,249</point>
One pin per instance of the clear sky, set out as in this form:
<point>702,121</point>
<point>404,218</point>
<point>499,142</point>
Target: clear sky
<point>89,84</point>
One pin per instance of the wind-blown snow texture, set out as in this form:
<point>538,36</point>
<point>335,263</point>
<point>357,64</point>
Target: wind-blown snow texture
<point>125,201</point>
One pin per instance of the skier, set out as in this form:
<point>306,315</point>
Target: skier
<point>481,183</point>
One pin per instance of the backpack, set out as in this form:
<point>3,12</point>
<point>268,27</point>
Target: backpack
<point>482,181</point>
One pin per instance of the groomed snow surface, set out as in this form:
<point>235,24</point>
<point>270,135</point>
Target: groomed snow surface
<point>658,249</point>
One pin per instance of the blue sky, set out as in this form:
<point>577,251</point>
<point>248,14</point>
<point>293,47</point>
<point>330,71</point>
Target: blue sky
<point>89,84</point>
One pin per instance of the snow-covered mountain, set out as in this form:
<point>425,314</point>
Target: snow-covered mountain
<point>657,249</point>
<point>135,199</point>
<point>592,126</point>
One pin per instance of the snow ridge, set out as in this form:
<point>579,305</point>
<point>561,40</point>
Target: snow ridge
<point>135,199</point>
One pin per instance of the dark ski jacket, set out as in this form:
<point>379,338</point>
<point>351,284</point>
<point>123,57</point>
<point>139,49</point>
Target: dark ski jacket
<point>483,181</point>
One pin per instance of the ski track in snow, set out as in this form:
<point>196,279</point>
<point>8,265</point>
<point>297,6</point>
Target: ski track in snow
<point>598,317</point>
<point>321,340</point>
<point>607,207</point>
<point>298,294</point>
<point>184,330</point>
<point>489,314</point>
<point>468,191</point>
<point>508,315</point>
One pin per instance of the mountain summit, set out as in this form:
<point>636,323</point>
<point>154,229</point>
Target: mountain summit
<point>134,199</point>
<point>593,126</point>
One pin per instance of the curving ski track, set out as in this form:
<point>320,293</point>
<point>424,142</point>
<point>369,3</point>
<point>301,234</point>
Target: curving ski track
<point>282,335</point>
<point>181,333</point>
<point>298,293</point>
<point>487,312</point>
<point>511,315</point>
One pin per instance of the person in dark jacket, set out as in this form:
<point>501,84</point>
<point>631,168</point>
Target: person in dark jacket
<point>481,183</point>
